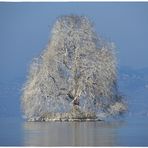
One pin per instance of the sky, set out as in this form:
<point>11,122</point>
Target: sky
<point>25,30</point>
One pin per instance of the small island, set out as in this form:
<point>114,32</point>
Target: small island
<point>74,78</point>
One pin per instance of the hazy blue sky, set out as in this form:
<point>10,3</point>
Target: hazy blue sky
<point>25,30</point>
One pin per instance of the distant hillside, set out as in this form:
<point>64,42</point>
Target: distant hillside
<point>133,84</point>
<point>10,92</point>
<point>133,79</point>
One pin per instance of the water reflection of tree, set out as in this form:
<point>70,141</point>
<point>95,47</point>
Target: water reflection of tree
<point>71,133</point>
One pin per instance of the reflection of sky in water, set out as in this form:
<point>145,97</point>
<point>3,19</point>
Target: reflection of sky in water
<point>132,131</point>
<point>11,132</point>
<point>70,134</point>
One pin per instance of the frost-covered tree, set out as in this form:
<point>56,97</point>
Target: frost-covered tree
<point>77,68</point>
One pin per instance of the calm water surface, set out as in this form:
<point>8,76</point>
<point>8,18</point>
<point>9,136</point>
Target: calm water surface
<point>131,131</point>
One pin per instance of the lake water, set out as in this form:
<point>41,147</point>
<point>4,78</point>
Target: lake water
<point>129,131</point>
